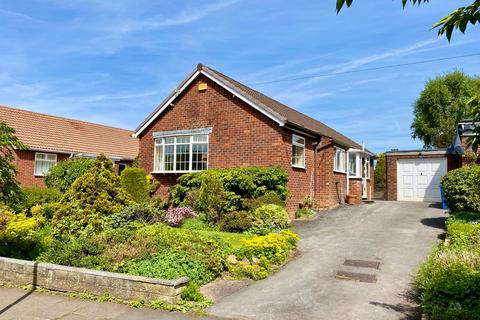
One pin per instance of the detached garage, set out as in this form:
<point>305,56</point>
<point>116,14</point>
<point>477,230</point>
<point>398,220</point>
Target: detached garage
<point>415,175</point>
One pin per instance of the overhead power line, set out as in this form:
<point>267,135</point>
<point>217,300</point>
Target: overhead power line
<point>366,69</point>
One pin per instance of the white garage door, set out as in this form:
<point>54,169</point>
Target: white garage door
<point>419,179</point>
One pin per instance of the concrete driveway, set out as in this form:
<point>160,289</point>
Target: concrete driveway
<point>398,234</point>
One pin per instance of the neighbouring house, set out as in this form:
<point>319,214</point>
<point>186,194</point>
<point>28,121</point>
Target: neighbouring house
<point>52,139</point>
<point>415,175</point>
<point>212,121</point>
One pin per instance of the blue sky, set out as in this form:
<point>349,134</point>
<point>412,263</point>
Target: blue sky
<point>112,62</point>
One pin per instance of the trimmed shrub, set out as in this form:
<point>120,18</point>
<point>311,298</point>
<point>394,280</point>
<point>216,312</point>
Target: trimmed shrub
<point>269,217</point>
<point>146,212</point>
<point>236,221</point>
<point>268,198</point>
<point>175,216</point>
<point>239,184</point>
<point>449,281</point>
<point>134,181</point>
<point>90,200</point>
<point>462,190</point>
<point>63,174</point>
<point>34,196</point>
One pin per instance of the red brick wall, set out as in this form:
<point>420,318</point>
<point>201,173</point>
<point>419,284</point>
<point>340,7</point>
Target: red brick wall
<point>25,162</point>
<point>355,189</point>
<point>331,186</point>
<point>391,162</point>
<point>241,136</point>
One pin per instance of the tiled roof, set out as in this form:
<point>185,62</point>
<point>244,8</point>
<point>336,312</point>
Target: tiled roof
<point>292,116</point>
<point>46,132</point>
<point>286,114</point>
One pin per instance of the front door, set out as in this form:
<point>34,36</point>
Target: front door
<point>365,173</point>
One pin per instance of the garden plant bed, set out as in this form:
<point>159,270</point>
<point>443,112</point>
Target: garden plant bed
<point>449,279</point>
<point>96,228</point>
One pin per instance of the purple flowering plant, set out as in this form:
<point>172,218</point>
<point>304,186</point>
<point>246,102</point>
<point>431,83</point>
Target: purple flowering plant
<point>175,216</point>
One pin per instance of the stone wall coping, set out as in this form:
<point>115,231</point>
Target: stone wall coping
<point>171,283</point>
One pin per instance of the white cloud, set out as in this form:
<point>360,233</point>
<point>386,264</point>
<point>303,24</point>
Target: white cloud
<point>17,15</point>
<point>362,61</point>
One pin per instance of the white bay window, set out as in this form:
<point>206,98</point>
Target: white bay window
<point>182,153</point>
<point>354,164</point>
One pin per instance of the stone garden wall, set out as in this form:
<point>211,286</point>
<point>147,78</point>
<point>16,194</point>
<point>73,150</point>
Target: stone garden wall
<point>78,280</point>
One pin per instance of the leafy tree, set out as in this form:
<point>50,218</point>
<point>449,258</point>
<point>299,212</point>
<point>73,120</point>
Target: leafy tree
<point>442,103</point>
<point>458,19</point>
<point>91,198</point>
<point>474,114</point>
<point>380,172</point>
<point>10,191</point>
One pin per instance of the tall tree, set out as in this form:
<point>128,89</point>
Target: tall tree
<point>9,189</point>
<point>474,115</point>
<point>442,103</point>
<point>458,19</point>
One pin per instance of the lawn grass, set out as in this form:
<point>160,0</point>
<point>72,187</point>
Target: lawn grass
<point>233,240</point>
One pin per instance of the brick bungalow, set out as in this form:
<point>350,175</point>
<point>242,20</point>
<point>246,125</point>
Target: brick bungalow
<point>212,121</point>
<point>52,139</point>
<point>415,175</point>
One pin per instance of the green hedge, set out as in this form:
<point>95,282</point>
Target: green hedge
<point>239,184</point>
<point>449,279</point>
<point>462,189</point>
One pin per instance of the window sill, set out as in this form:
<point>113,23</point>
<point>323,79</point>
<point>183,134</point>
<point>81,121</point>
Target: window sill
<point>39,175</point>
<point>298,167</point>
<point>176,172</point>
<point>338,171</point>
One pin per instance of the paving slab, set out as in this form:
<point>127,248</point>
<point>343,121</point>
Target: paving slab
<point>27,305</point>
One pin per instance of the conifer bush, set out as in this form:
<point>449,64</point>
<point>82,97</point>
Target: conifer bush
<point>134,181</point>
<point>91,199</point>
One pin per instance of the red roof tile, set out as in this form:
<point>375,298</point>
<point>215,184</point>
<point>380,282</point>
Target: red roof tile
<point>47,132</point>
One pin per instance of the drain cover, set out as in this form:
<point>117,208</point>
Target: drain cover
<point>362,263</point>
<point>362,277</point>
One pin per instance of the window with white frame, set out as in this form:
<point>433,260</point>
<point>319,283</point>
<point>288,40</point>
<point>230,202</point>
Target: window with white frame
<point>339,160</point>
<point>43,163</point>
<point>298,151</point>
<point>183,153</point>
<point>354,164</point>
